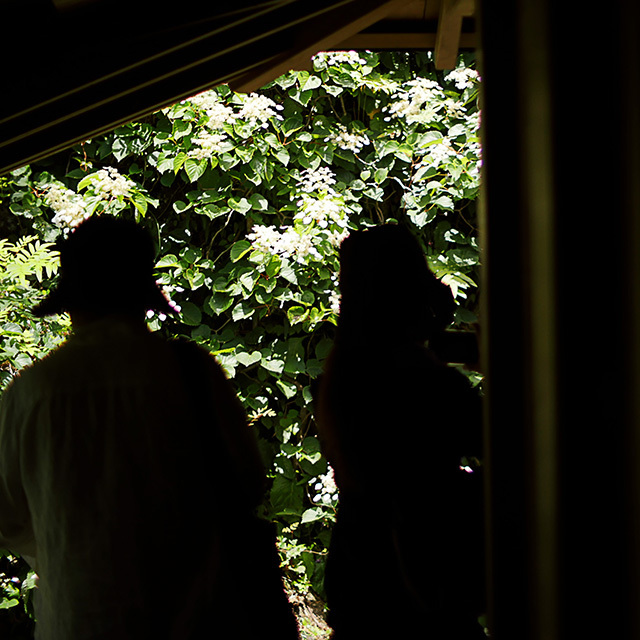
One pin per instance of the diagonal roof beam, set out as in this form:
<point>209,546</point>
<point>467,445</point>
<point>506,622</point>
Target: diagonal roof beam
<point>333,28</point>
<point>70,88</point>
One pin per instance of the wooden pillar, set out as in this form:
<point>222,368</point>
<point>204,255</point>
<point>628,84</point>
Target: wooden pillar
<point>561,233</point>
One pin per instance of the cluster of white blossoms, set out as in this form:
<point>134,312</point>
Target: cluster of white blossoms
<point>462,77</point>
<point>218,113</point>
<point>167,290</point>
<point>109,183</point>
<point>415,103</point>
<point>320,179</point>
<point>322,210</point>
<point>440,152</point>
<point>325,488</point>
<point>258,109</point>
<point>288,243</point>
<point>70,208</point>
<point>209,144</point>
<point>340,57</point>
<point>255,109</point>
<point>348,141</point>
<point>334,301</point>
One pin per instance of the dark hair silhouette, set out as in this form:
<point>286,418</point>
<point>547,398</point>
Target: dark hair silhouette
<point>385,282</point>
<point>395,423</point>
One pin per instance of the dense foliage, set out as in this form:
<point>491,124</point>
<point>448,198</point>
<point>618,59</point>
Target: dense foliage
<point>249,197</point>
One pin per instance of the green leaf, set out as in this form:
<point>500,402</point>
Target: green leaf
<point>290,125</point>
<point>287,272</point>
<point>258,202</point>
<point>220,302</point>
<point>242,205</point>
<point>179,206</point>
<point>297,314</point>
<point>8,604</point>
<point>275,365</point>
<point>282,155</point>
<point>421,218</point>
<point>140,203</point>
<point>311,515</point>
<point>168,260</point>
<point>288,388</point>
<point>195,168</point>
<point>294,361</point>
<point>286,496</point>
<point>310,82</point>
<point>245,153</point>
<point>85,182</point>
<point>248,280</point>
<point>239,249</point>
<point>273,268</point>
<point>242,311</point>
<point>247,359</point>
<point>444,202</point>
<point>179,160</point>
<point>456,130</point>
<point>191,314</point>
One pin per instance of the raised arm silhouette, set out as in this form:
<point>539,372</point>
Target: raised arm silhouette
<point>402,431</point>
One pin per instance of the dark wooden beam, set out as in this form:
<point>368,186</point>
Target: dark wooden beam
<point>449,29</point>
<point>403,41</point>
<point>321,35</point>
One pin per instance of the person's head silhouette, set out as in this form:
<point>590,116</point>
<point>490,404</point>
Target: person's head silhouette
<point>386,285</point>
<point>106,266</point>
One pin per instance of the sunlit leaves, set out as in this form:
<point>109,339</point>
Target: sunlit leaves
<point>248,198</point>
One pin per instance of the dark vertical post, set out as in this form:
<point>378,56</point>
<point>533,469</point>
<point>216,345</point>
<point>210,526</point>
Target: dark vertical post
<point>562,313</point>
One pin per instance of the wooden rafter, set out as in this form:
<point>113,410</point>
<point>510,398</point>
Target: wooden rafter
<point>324,35</point>
<point>447,42</point>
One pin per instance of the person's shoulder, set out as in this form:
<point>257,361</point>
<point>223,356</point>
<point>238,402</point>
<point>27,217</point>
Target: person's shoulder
<point>192,357</point>
<point>42,369</point>
<point>28,384</point>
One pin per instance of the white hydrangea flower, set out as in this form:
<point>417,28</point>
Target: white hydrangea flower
<point>341,57</point>
<point>473,120</point>
<point>218,113</point>
<point>462,77</point>
<point>109,183</point>
<point>439,153</point>
<point>258,109</point>
<point>167,290</point>
<point>348,141</point>
<point>336,237</point>
<point>454,108</point>
<point>209,144</point>
<point>325,488</point>
<point>319,179</point>
<point>415,103</point>
<point>70,208</point>
<point>323,210</point>
<point>334,301</point>
<point>294,244</point>
<point>265,238</point>
<point>288,244</point>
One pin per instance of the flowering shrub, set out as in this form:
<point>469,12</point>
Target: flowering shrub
<point>249,197</point>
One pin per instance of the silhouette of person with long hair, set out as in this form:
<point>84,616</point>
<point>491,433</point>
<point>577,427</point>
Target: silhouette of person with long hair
<point>396,423</point>
<point>128,475</point>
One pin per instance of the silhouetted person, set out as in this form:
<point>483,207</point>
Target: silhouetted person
<point>406,554</point>
<point>128,474</point>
